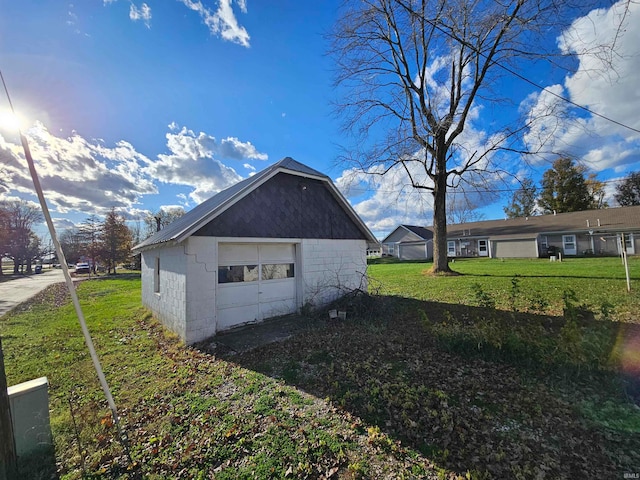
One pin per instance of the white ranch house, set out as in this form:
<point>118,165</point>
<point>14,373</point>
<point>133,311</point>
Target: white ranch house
<point>264,247</point>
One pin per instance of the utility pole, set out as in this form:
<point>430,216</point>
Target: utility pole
<point>8,459</point>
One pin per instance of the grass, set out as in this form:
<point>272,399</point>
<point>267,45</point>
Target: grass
<point>598,282</point>
<point>408,387</point>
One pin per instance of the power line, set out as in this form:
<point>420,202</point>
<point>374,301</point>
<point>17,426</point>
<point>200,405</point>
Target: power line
<point>470,190</point>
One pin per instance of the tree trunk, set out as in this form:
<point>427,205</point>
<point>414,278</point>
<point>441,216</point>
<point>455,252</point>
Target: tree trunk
<point>440,259</point>
<point>8,459</point>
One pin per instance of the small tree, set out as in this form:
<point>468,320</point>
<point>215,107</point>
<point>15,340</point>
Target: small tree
<point>523,201</point>
<point>116,240</point>
<point>628,191</point>
<point>90,232</point>
<point>564,188</point>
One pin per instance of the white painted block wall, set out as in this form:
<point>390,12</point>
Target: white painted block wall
<point>332,268</point>
<point>169,304</point>
<point>202,269</point>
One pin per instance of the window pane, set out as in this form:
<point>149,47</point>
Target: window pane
<point>275,271</point>
<point>238,273</point>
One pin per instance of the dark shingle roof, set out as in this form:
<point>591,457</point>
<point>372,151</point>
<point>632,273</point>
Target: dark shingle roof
<point>422,232</point>
<point>184,226</point>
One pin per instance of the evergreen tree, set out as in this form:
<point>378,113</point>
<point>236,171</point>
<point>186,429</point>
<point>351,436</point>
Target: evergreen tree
<point>116,240</point>
<point>564,188</point>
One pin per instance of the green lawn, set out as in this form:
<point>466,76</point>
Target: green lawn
<point>597,282</point>
<point>405,388</point>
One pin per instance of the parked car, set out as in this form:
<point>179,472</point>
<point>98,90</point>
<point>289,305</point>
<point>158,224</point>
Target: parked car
<point>38,269</point>
<point>83,268</point>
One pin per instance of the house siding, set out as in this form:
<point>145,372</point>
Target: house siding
<point>169,304</point>
<point>332,268</point>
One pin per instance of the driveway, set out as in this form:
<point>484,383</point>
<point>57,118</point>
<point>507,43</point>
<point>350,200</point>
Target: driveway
<point>14,292</point>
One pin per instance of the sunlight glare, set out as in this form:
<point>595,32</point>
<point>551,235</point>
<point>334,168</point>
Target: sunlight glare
<point>11,121</point>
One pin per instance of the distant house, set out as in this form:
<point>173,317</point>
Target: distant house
<point>590,232</point>
<point>408,242</point>
<point>264,247</point>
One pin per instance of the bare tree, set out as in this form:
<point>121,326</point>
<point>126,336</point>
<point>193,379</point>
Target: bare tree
<point>523,201</point>
<point>157,221</point>
<point>412,73</point>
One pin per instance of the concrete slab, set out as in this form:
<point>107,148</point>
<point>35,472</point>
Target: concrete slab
<point>248,337</point>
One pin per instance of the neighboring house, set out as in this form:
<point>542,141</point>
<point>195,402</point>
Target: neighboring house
<point>408,242</point>
<point>268,245</point>
<point>590,232</point>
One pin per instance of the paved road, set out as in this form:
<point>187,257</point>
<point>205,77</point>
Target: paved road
<point>14,292</point>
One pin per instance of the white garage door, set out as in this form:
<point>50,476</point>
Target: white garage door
<point>255,281</point>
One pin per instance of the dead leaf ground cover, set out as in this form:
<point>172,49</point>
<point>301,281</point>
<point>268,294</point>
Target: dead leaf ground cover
<point>394,392</point>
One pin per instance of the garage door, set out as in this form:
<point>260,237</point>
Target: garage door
<point>255,281</point>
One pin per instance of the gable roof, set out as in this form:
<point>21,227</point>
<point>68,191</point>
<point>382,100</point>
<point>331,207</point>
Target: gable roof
<point>617,219</point>
<point>423,233</point>
<point>189,223</point>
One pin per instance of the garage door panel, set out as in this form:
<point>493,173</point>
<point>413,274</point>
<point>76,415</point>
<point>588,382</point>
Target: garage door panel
<point>233,253</point>
<point>277,307</point>
<point>238,294</point>
<point>277,252</point>
<point>230,317</point>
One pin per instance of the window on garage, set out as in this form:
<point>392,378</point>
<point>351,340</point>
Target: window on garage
<point>237,273</point>
<point>277,271</point>
<point>156,275</point>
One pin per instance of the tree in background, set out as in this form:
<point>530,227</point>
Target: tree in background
<point>4,234</point>
<point>463,210</point>
<point>155,222</point>
<point>523,201</point>
<point>411,74</point>
<point>596,191</point>
<point>116,240</point>
<point>20,240</point>
<point>564,188</point>
<point>628,191</point>
<point>90,231</point>
<point>73,244</point>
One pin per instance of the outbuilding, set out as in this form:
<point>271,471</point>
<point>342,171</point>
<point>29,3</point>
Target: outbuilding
<point>280,239</point>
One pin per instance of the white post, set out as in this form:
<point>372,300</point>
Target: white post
<point>626,270</point>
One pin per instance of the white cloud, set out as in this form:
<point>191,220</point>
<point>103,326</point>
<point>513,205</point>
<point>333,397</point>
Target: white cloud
<point>143,13</point>
<point>606,81</point>
<point>222,22</point>
<point>77,174</point>
<point>193,161</point>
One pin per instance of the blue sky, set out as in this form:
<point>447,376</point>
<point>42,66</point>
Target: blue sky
<point>138,105</point>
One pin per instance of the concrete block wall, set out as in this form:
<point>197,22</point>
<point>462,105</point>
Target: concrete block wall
<point>202,269</point>
<point>332,268</point>
<point>169,305</point>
